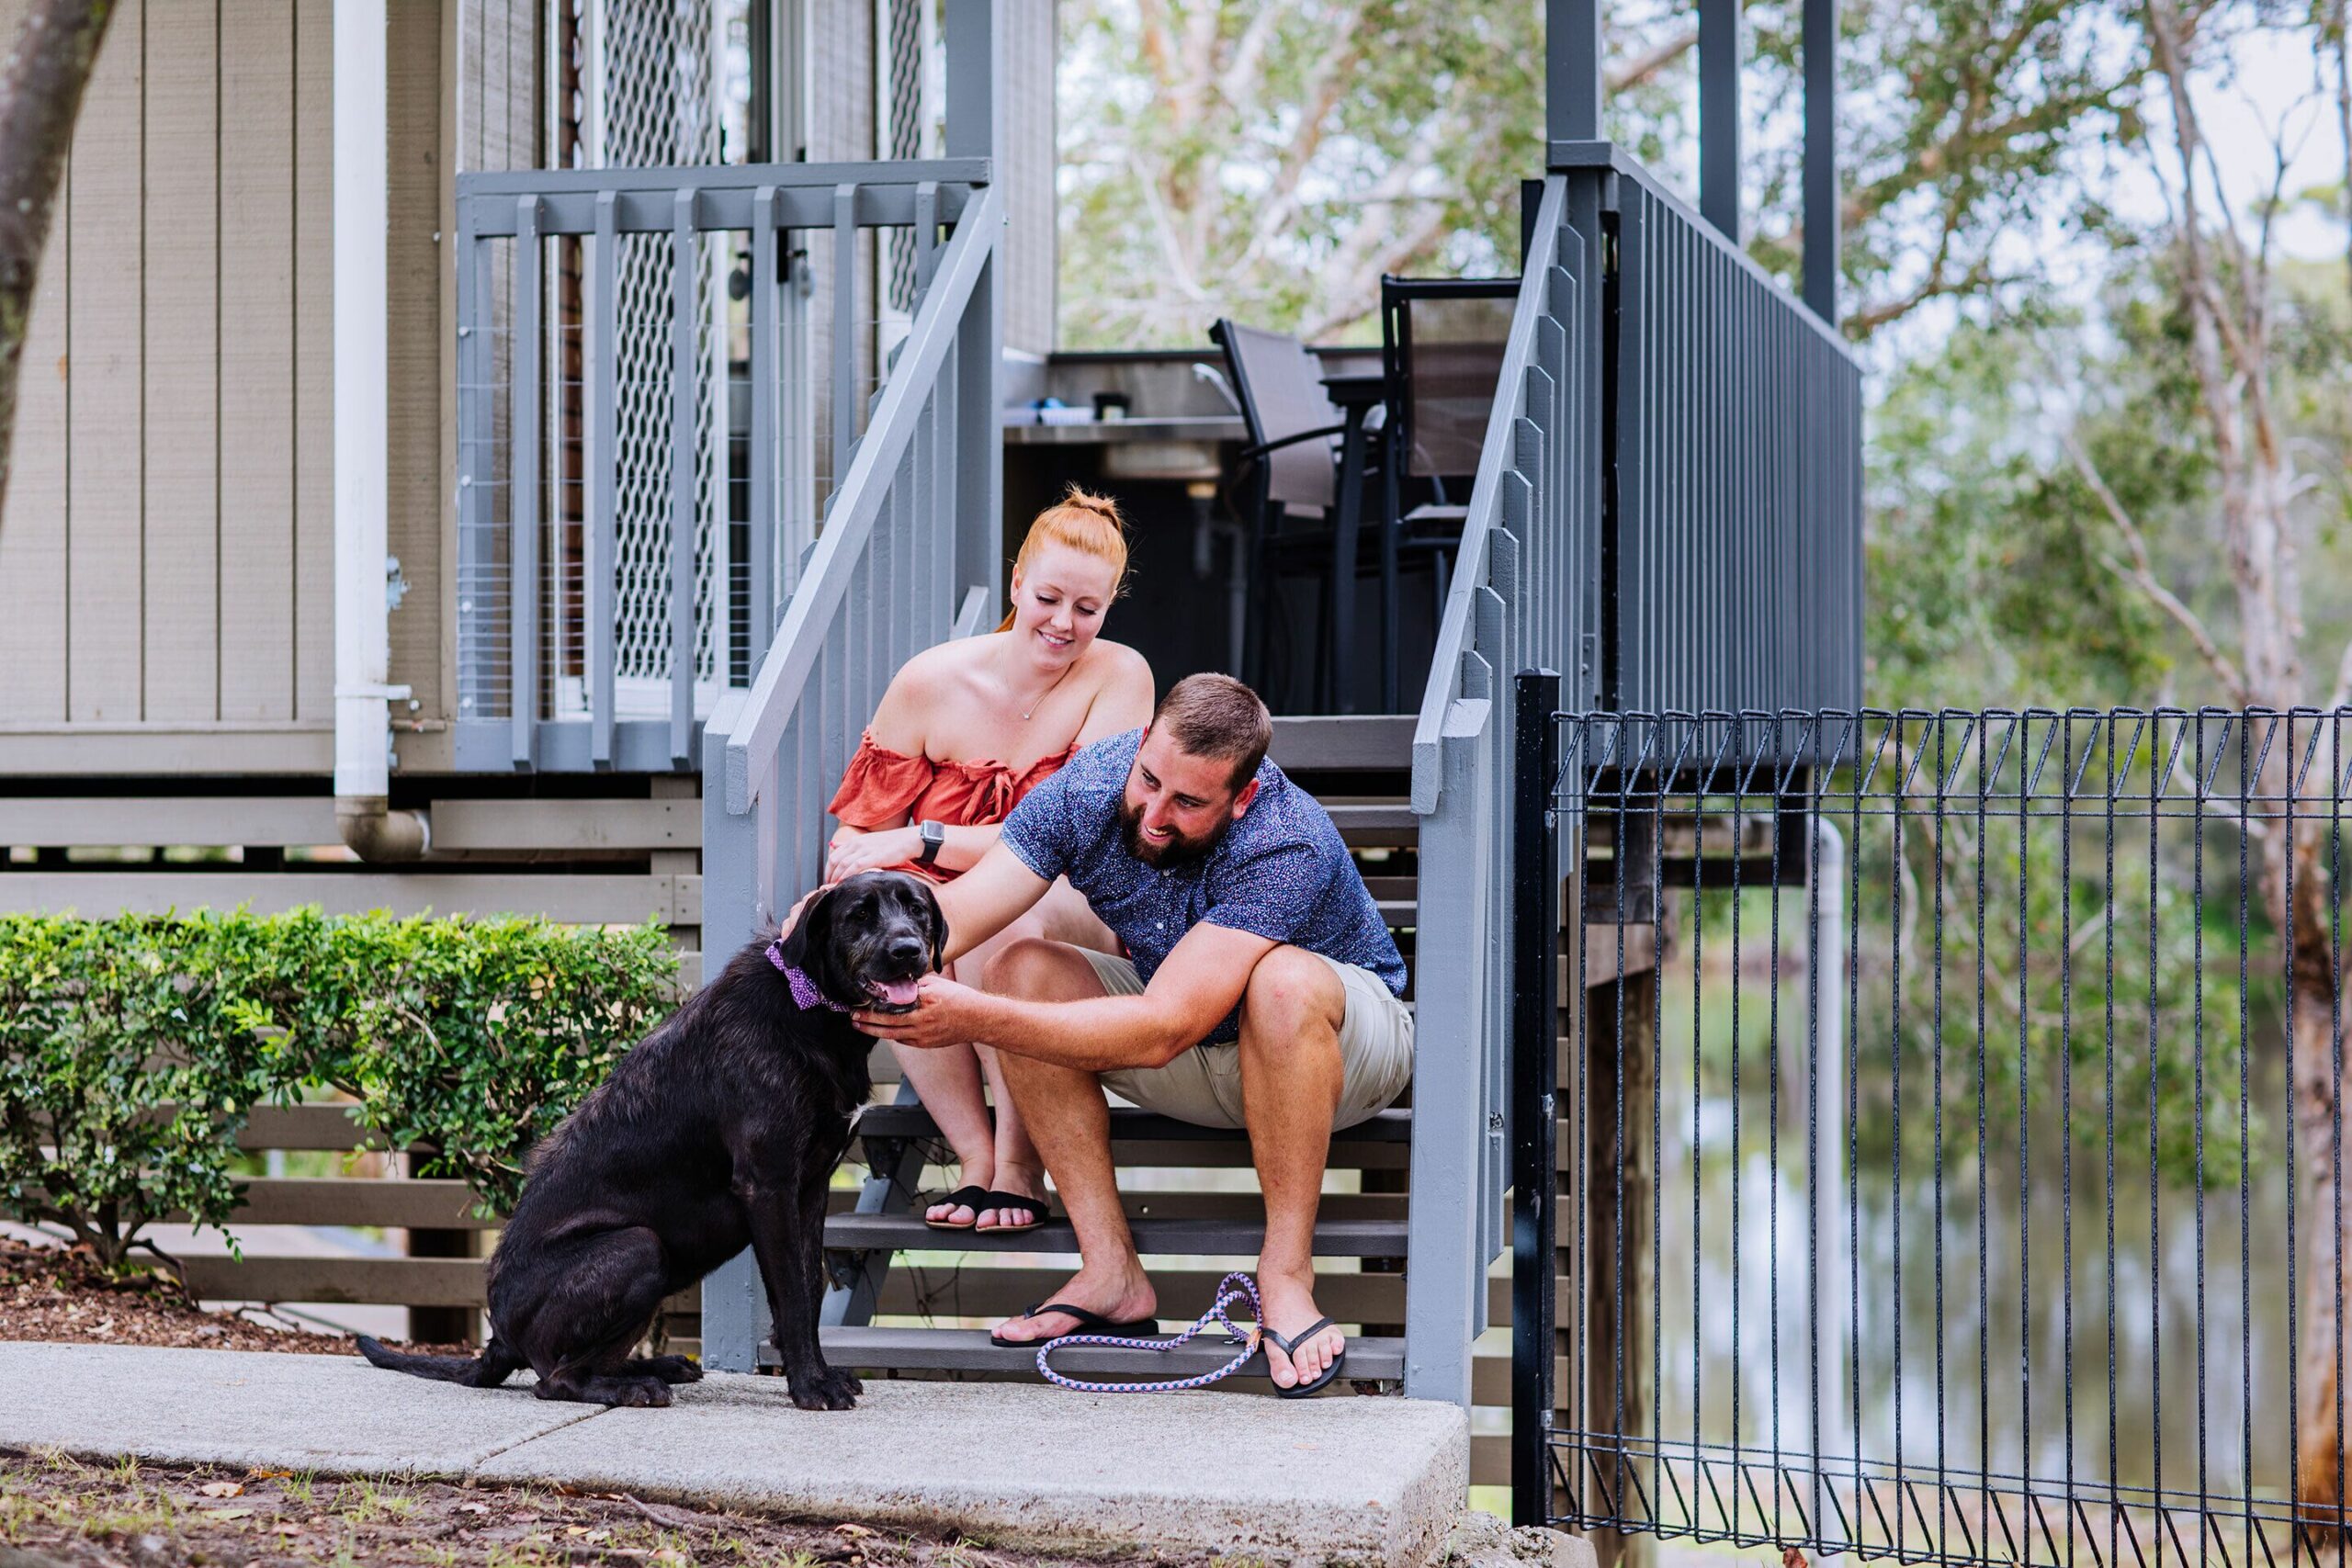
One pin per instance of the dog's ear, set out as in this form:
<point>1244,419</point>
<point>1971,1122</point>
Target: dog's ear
<point>810,932</point>
<point>938,930</point>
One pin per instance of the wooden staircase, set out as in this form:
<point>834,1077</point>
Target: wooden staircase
<point>889,1313</point>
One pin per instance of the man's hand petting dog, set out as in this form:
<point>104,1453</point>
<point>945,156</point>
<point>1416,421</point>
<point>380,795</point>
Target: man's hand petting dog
<point>946,1012</point>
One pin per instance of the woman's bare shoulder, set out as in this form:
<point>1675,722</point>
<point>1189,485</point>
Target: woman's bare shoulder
<point>926,685</point>
<point>1116,661</point>
<point>1124,692</point>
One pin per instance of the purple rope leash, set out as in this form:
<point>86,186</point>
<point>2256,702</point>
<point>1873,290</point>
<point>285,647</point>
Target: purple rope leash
<point>1236,1287</point>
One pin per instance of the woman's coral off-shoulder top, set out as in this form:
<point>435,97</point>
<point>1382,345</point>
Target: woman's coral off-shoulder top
<point>882,788</point>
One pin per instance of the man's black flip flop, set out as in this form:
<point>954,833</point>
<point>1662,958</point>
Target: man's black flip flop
<point>1088,1322</point>
<point>972,1198</point>
<point>1290,1345</point>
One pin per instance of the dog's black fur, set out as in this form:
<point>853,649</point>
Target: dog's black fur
<point>722,1130</point>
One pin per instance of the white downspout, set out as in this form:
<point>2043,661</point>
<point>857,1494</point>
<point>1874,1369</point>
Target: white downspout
<point>362,636</point>
<point>1825,999</point>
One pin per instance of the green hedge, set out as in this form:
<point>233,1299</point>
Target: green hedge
<point>132,1050</point>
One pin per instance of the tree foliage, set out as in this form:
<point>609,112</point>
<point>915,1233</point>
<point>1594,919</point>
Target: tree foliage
<point>1268,159</point>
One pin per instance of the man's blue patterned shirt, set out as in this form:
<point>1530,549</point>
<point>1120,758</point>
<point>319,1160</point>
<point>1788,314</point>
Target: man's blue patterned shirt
<point>1280,872</point>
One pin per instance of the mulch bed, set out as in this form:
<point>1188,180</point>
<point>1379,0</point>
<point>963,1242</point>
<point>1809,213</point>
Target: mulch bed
<point>49,1293</point>
<point>59,1512</point>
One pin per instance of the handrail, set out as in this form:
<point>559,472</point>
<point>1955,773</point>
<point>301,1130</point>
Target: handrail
<point>1453,638</point>
<point>752,740</point>
<point>1608,156</point>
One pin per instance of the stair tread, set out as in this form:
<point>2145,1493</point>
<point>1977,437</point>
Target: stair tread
<point>1128,1124</point>
<point>967,1349</point>
<point>1154,1237</point>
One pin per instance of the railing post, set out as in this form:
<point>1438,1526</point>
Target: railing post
<point>1444,1250</point>
<point>734,1302</point>
<point>1821,242</point>
<point>1572,70</point>
<point>975,129</point>
<point>1534,930</point>
<point>1720,50</point>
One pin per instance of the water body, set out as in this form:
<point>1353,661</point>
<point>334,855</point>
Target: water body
<point>1977,1314</point>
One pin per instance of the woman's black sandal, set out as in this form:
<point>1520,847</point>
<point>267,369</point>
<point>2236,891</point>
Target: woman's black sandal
<point>1000,1202</point>
<point>973,1198</point>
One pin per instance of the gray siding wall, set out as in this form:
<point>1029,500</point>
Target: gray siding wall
<point>166,558</point>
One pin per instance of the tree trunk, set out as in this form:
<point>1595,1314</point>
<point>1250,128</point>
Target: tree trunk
<point>40,93</point>
<point>2323,1097</point>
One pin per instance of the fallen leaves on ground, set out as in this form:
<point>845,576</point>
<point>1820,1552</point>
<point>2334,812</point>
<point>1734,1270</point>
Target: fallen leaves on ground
<point>79,1513</point>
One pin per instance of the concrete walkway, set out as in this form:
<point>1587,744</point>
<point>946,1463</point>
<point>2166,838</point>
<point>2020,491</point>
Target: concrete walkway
<point>1352,1480</point>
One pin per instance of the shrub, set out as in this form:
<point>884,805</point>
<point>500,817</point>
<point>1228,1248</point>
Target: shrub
<point>133,1050</point>
<point>482,1042</point>
<point>127,1070</point>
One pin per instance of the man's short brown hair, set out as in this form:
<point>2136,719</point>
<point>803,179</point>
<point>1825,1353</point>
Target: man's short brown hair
<point>1217,717</point>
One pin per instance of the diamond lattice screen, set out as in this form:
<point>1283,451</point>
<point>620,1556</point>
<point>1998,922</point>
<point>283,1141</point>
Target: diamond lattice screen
<point>654,78</point>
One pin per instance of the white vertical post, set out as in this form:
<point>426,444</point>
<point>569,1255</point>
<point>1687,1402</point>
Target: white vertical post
<point>362,207</point>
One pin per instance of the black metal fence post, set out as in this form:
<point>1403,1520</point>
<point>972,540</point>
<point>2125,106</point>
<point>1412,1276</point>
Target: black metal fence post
<point>1535,1033</point>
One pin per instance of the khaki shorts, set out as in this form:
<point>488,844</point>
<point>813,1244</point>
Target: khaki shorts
<point>1204,1085</point>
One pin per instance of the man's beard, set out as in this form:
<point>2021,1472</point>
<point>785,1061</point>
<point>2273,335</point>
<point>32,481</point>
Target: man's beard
<point>1176,852</point>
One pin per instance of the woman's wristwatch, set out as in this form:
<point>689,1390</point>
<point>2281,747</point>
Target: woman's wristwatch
<point>932,835</point>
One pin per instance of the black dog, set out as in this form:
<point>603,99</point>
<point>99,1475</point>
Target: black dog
<point>722,1130</point>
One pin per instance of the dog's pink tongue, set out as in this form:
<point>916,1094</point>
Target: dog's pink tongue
<point>898,993</point>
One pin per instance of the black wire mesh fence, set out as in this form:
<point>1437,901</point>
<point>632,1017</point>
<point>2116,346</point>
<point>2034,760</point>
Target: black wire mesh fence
<point>1947,1132</point>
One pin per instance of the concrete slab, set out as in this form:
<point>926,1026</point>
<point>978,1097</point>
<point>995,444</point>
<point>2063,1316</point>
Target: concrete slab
<point>1348,1482</point>
<point>1363,1481</point>
<point>326,1413</point>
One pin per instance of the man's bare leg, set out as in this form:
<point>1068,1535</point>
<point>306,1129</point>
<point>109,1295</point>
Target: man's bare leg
<point>1291,1077</point>
<point>1061,916</point>
<point>1070,1123</point>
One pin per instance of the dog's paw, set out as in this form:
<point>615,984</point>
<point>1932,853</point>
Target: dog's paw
<point>674,1369</point>
<point>645,1394</point>
<point>827,1391</point>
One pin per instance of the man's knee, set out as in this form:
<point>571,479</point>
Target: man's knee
<point>1024,967</point>
<point>1291,992</point>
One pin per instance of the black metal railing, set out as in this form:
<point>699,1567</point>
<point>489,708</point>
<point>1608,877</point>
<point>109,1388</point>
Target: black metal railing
<point>1947,1158</point>
<point>1729,568</point>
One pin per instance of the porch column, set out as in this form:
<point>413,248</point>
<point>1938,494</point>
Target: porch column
<point>1821,217</point>
<point>975,43</point>
<point>1720,50</point>
<point>1572,70</point>
<point>362,207</point>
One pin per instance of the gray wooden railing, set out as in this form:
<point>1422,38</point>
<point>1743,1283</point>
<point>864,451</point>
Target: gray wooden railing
<point>909,532</point>
<point>1667,513</point>
<point>1522,594</point>
<point>598,517</point>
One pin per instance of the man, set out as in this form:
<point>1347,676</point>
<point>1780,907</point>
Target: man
<point>1261,991</point>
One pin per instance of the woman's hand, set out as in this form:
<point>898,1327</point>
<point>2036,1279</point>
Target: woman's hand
<point>870,851</point>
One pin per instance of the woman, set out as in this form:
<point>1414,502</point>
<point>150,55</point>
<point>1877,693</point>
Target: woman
<point>967,729</point>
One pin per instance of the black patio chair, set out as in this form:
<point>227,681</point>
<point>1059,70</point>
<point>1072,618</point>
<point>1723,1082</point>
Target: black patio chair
<point>1290,475</point>
<point>1443,341</point>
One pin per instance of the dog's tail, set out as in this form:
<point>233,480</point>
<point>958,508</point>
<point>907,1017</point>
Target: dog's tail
<point>494,1366</point>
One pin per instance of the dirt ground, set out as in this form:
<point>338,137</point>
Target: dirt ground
<point>59,1512</point>
<point>49,1294</point>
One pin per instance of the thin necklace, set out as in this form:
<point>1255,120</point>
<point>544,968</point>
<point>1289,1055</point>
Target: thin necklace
<point>1039,700</point>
